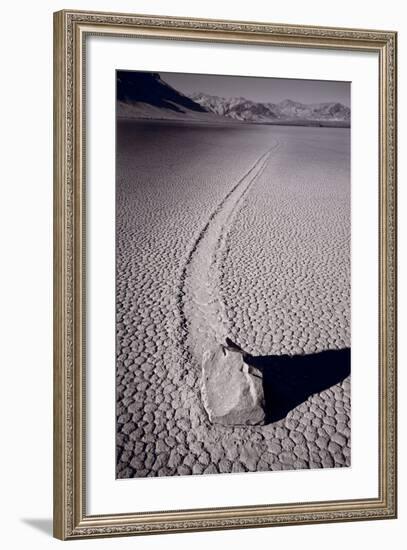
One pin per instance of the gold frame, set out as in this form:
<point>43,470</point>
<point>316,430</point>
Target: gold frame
<point>70,518</point>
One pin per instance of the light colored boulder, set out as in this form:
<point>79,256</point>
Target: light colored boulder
<point>232,390</point>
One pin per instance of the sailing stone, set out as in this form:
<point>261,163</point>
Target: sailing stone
<point>232,391</point>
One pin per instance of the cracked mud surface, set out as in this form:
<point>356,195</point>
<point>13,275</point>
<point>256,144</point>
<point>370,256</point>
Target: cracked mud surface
<point>241,231</point>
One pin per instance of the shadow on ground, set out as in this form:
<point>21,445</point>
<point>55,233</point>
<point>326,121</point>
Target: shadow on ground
<point>289,380</point>
<point>40,524</point>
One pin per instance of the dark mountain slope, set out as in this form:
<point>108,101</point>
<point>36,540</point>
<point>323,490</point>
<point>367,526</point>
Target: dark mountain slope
<point>134,87</point>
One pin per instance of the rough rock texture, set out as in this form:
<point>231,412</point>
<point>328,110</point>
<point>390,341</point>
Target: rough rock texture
<point>232,391</point>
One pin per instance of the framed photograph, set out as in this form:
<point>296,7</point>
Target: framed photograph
<point>225,274</point>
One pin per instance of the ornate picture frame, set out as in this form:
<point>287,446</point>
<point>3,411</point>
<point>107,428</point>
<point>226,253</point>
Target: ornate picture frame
<point>71,517</point>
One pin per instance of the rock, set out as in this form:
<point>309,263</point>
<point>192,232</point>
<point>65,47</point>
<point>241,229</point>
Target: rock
<point>232,390</point>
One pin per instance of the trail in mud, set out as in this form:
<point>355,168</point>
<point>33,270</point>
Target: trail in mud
<point>202,314</point>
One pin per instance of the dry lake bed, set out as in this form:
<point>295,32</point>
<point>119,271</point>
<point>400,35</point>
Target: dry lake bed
<point>241,231</point>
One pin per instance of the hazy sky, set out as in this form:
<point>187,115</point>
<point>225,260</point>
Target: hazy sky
<point>264,90</point>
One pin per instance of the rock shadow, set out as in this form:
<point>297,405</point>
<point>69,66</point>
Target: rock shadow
<point>289,380</point>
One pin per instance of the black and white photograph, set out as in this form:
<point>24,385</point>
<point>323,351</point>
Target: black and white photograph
<point>201,246</point>
<point>233,281</point>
